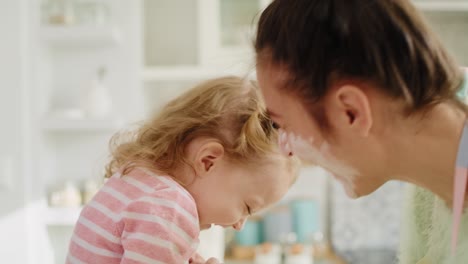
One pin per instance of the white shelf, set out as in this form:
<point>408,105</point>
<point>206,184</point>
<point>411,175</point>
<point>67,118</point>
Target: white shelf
<point>186,73</point>
<point>176,73</point>
<point>61,216</point>
<point>80,36</point>
<point>81,125</point>
<point>443,6</point>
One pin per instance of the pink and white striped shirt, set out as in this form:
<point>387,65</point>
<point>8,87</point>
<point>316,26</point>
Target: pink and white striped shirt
<point>136,218</point>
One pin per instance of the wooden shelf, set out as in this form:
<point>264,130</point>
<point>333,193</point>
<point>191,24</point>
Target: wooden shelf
<point>443,6</point>
<point>80,36</point>
<point>61,216</point>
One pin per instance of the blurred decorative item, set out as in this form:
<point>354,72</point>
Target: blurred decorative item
<point>98,102</point>
<point>306,216</point>
<point>242,252</point>
<point>323,251</point>
<point>67,195</point>
<point>268,253</point>
<point>92,12</point>
<point>75,12</point>
<point>298,254</point>
<point>251,234</point>
<point>320,246</point>
<point>90,188</point>
<point>212,243</point>
<point>277,224</point>
<point>58,12</point>
<point>288,239</point>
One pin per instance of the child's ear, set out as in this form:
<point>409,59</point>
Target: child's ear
<point>208,156</point>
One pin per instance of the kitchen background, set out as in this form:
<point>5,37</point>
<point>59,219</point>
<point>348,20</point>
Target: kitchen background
<point>73,72</point>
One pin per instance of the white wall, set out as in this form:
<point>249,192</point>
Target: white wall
<point>162,46</point>
<point>13,143</point>
<point>28,72</point>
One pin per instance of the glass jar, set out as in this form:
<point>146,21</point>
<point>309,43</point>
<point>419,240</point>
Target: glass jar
<point>91,12</point>
<point>58,12</point>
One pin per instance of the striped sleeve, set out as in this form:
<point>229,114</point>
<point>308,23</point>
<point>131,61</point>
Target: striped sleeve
<point>160,228</point>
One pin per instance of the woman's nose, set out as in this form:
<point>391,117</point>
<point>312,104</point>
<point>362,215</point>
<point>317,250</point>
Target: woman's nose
<point>239,225</point>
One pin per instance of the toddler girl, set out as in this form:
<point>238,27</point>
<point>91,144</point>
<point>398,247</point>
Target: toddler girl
<point>209,157</point>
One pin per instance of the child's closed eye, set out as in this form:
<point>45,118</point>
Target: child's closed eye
<point>275,125</point>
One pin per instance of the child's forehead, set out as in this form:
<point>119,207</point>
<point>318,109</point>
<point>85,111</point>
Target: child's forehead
<point>273,165</point>
<point>284,164</point>
<point>277,172</point>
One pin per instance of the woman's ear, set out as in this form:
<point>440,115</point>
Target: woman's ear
<point>207,157</point>
<point>351,111</point>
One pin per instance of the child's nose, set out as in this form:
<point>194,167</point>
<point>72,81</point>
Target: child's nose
<point>239,225</point>
<point>284,144</point>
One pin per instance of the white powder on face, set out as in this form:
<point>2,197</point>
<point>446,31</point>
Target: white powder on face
<point>321,156</point>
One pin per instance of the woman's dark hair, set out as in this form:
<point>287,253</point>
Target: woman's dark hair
<point>386,42</point>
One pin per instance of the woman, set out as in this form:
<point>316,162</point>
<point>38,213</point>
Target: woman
<point>366,90</point>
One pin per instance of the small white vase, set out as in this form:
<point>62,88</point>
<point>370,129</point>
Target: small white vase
<point>98,101</point>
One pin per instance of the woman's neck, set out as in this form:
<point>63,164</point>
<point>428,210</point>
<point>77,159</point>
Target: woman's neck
<point>428,152</point>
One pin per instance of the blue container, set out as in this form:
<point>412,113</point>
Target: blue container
<point>277,224</point>
<point>251,234</point>
<point>306,218</point>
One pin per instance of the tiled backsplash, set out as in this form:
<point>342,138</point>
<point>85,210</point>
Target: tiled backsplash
<point>368,222</point>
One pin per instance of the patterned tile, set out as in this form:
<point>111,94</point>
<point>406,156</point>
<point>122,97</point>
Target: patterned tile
<point>369,222</point>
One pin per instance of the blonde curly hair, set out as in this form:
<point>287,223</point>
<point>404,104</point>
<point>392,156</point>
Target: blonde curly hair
<point>228,109</point>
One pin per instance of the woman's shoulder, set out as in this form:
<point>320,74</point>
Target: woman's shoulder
<point>421,201</point>
<point>418,212</point>
<point>416,224</point>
